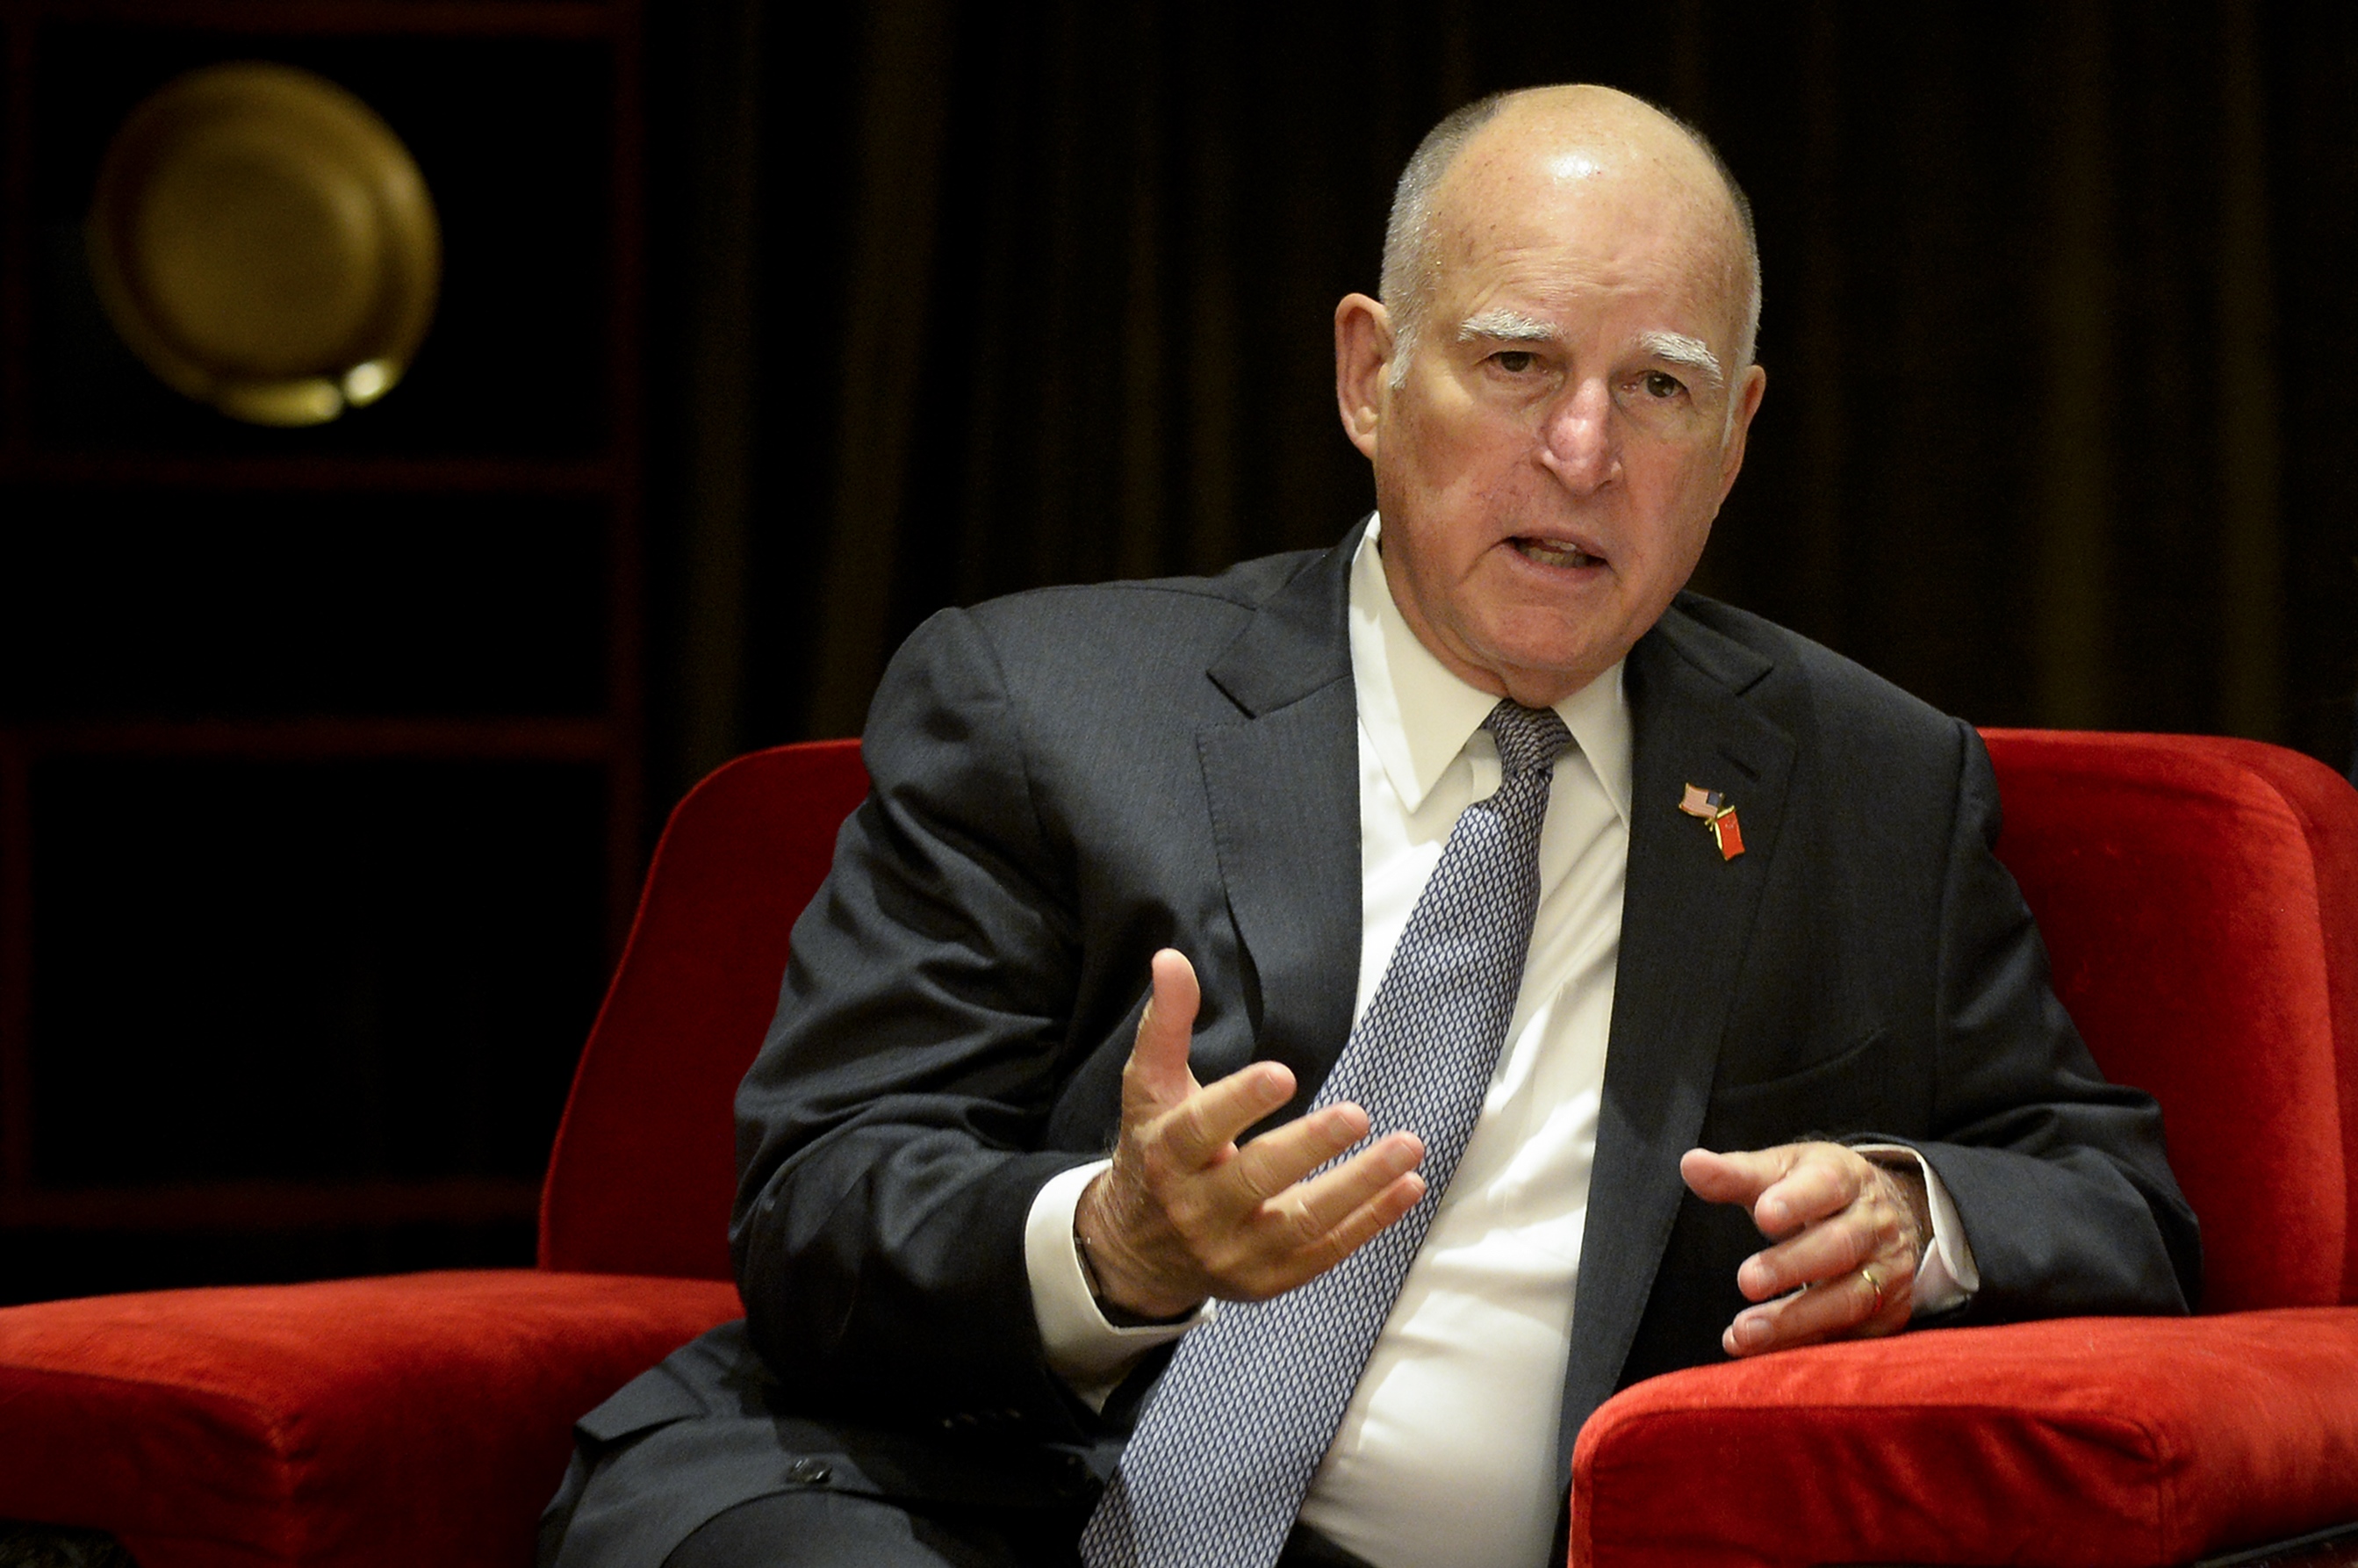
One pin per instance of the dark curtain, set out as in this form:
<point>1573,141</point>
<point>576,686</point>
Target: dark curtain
<point>954,299</point>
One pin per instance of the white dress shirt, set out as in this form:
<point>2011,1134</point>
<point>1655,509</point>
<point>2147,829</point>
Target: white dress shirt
<point>1446,1457</point>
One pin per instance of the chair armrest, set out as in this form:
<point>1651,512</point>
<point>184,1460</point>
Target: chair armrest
<point>2076,1442</point>
<point>424,1417</point>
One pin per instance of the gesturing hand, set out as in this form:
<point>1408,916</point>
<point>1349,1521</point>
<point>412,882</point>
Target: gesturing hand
<point>1848,1235</point>
<point>1182,1212</point>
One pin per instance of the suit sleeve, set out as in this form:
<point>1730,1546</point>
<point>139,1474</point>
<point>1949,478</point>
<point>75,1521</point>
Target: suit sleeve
<point>2058,1177</point>
<point>888,1132</point>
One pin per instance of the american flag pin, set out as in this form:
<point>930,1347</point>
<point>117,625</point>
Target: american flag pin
<point>1712,806</point>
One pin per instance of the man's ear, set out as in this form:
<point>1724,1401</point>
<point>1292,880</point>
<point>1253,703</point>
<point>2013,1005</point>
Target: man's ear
<point>1363,355</point>
<point>1739,423</point>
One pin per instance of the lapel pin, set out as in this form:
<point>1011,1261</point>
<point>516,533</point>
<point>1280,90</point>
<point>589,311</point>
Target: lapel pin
<point>1712,806</point>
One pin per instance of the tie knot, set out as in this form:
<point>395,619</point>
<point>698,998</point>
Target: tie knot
<point>1528,737</point>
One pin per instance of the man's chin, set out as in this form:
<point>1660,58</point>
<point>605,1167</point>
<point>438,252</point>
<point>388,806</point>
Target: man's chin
<point>1545,680</point>
<point>1532,652</point>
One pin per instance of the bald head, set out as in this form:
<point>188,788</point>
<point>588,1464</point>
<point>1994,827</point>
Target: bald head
<point>1514,147</point>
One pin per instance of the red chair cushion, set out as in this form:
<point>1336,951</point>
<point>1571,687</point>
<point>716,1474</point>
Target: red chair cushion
<point>2087,1441</point>
<point>425,1419</point>
<point>2199,898</point>
<point>644,1167</point>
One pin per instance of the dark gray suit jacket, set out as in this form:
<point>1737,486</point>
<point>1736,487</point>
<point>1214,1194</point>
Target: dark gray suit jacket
<point>1071,778</point>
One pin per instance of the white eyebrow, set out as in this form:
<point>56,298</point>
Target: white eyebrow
<point>1514,327</point>
<point>1678,349</point>
<point>1504,327</point>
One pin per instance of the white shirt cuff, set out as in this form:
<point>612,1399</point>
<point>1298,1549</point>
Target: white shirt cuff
<point>1089,1353</point>
<point>1946,1275</point>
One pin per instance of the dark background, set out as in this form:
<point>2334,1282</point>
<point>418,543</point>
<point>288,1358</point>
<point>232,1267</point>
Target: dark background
<point>2056,430</point>
<point>766,333</point>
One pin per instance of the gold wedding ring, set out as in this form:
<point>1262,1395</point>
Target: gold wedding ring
<point>1873,1284</point>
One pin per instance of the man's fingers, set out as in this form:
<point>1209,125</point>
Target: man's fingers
<point>1158,1061</point>
<point>1851,1303</point>
<point>1819,1252</point>
<point>1786,1187</point>
<point>1299,1244</point>
<point>1385,1208</point>
<point>1845,1260</point>
<point>1806,1317</point>
<point>1326,1203</point>
<point>1185,1213</point>
<point>1194,1132</point>
<point>1738,1176</point>
<point>1278,1159</point>
<point>1824,1179</point>
<point>1271,1240</point>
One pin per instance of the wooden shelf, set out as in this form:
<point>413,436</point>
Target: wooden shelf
<point>274,1205</point>
<point>318,739</point>
<point>411,18</point>
<point>409,476</point>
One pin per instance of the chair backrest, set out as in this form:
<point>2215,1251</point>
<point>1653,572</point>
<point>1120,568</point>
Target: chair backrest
<point>643,1173</point>
<point>2199,899</point>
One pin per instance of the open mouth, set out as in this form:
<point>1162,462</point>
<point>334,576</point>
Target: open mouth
<point>1555,553</point>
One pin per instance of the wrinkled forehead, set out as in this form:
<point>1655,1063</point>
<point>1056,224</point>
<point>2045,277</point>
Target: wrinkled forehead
<point>1544,205</point>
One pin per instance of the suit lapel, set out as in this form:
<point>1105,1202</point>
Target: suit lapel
<point>1686,921</point>
<point>1282,785</point>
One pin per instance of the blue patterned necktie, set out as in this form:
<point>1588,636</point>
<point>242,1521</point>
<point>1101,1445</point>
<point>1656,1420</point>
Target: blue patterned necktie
<point>1226,1447</point>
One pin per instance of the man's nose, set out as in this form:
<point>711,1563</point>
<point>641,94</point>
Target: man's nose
<point>1577,441</point>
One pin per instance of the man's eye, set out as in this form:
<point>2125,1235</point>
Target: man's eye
<point>1514,362</point>
<point>1663,384</point>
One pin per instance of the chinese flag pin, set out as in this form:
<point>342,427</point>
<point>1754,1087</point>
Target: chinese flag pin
<point>1712,806</point>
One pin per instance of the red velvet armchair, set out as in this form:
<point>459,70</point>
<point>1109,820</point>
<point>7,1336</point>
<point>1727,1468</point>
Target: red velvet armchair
<point>425,1420</point>
<point>2202,900</point>
<point>2199,899</point>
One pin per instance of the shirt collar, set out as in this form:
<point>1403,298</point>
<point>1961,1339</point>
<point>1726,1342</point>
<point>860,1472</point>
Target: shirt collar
<point>1418,716</point>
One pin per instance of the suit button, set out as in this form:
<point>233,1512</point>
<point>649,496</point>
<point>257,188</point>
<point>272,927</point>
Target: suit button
<point>810,1472</point>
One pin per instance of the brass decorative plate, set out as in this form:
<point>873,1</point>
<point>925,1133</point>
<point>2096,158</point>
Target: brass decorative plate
<point>265,243</point>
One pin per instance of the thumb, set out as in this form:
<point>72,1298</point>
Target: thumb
<point>1738,1176</point>
<point>1158,1072</point>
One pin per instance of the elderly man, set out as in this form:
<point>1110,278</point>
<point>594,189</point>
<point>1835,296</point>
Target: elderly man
<point>1484,886</point>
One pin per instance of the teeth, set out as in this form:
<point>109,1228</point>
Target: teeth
<point>1554,555</point>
